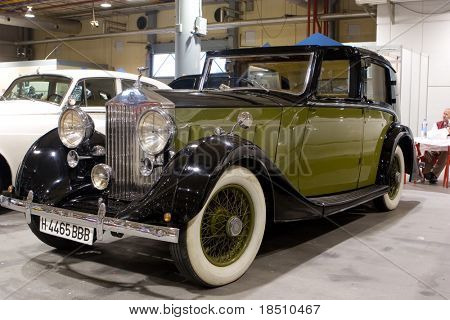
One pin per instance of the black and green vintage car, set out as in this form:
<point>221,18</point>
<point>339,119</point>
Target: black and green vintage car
<point>288,133</point>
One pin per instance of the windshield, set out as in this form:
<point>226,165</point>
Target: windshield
<point>281,73</point>
<point>45,88</point>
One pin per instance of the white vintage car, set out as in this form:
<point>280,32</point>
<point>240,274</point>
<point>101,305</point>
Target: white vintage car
<point>32,104</point>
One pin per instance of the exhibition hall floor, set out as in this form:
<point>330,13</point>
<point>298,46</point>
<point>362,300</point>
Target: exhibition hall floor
<point>359,254</point>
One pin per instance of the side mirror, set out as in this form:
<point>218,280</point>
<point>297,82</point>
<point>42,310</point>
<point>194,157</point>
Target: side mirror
<point>71,101</point>
<point>245,120</point>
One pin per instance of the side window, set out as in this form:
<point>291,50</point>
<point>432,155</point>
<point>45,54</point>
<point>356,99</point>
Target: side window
<point>127,84</point>
<point>99,91</point>
<point>334,79</point>
<point>94,92</point>
<point>61,88</point>
<point>375,88</point>
<point>279,75</point>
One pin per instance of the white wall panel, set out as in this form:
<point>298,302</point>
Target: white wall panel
<point>440,70</point>
<point>406,78</point>
<point>423,91</point>
<point>415,90</point>
<point>438,100</point>
<point>425,39</point>
<point>407,35</point>
<point>436,37</point>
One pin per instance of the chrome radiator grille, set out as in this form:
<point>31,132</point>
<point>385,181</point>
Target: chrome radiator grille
<point>124,153</point>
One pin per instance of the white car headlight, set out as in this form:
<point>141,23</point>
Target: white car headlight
<point>75,126</point>
<point>155,131</point>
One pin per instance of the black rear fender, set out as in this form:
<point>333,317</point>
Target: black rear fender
<point>397,135</point>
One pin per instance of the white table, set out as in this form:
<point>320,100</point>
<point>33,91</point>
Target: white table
<point>425,144</point>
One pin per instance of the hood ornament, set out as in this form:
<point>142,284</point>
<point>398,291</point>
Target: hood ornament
<point>137,84</point>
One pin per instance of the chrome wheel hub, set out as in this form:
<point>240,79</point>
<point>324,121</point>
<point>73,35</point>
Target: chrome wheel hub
<point>234,226</point>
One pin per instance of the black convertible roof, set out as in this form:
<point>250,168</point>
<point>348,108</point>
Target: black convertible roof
<point>299,49</point>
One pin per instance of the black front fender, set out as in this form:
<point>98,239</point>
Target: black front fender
<point>187,181</point>
<point>44,170</point>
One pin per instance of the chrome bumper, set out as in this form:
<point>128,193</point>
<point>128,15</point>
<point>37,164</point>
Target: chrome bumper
<point>99,222</point>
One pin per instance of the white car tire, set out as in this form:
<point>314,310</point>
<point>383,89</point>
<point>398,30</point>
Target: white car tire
<point>390,200</point>
<point>196,255</point>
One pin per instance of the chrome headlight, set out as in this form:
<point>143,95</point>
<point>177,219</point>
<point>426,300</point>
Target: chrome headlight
<point>155,131</point>
<point>100,176</point>
<point>75,126</point>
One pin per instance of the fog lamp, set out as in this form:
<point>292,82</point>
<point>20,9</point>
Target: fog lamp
<point>73,159</point>
<point>146,167</point>
<point>100,175</point>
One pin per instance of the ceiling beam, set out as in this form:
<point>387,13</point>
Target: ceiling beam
<point>214,26</point>
<point>54,25</point>
<point>136,8</point>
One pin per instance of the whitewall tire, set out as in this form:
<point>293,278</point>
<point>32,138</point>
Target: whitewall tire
<point>396,173</point>
<point>222,240</point>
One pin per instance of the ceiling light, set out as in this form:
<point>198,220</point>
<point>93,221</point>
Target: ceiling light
<point>94,22</point>
<point>105,4</point>
<point>29,13</point>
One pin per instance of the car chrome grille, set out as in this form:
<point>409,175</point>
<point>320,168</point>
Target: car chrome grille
<point>124,153</point>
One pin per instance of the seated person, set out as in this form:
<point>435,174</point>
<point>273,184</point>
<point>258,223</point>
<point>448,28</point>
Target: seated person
<point>435,161</point>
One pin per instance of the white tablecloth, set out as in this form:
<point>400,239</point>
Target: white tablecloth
<point>432,144</point>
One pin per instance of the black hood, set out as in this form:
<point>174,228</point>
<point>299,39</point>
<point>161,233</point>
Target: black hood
<point>231,98</point>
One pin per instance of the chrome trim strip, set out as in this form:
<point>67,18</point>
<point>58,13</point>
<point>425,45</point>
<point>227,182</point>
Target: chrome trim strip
<point>98,222</point>
<point>356,105</point>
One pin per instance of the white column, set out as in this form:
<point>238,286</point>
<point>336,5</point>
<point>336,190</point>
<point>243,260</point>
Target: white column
<point>187,45</point>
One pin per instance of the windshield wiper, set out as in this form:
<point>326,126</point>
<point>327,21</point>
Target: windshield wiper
<point>257,84</point>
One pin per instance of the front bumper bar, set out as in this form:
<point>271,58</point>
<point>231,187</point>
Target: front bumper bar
<point>99,222</point>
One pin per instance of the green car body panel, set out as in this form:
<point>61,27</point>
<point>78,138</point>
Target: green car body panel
<point>320,150</point>
<point>196,123</point>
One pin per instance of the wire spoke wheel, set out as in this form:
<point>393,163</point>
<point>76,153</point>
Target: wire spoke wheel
<point>391,199</point>
<point>227,225</point>
<point>395,178</point>
<point>220,243</point>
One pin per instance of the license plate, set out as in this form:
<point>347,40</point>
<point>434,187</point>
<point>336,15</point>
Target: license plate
<point>67,230</point>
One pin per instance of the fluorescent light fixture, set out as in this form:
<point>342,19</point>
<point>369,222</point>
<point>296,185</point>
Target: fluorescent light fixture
<point>29,13</point>
<point>105,4</point>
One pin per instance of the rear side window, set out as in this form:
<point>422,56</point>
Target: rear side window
<point>375,83</point>
<point>334,79</point>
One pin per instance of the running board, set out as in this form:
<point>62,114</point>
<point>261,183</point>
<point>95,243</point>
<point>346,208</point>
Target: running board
<point>339,202</point>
